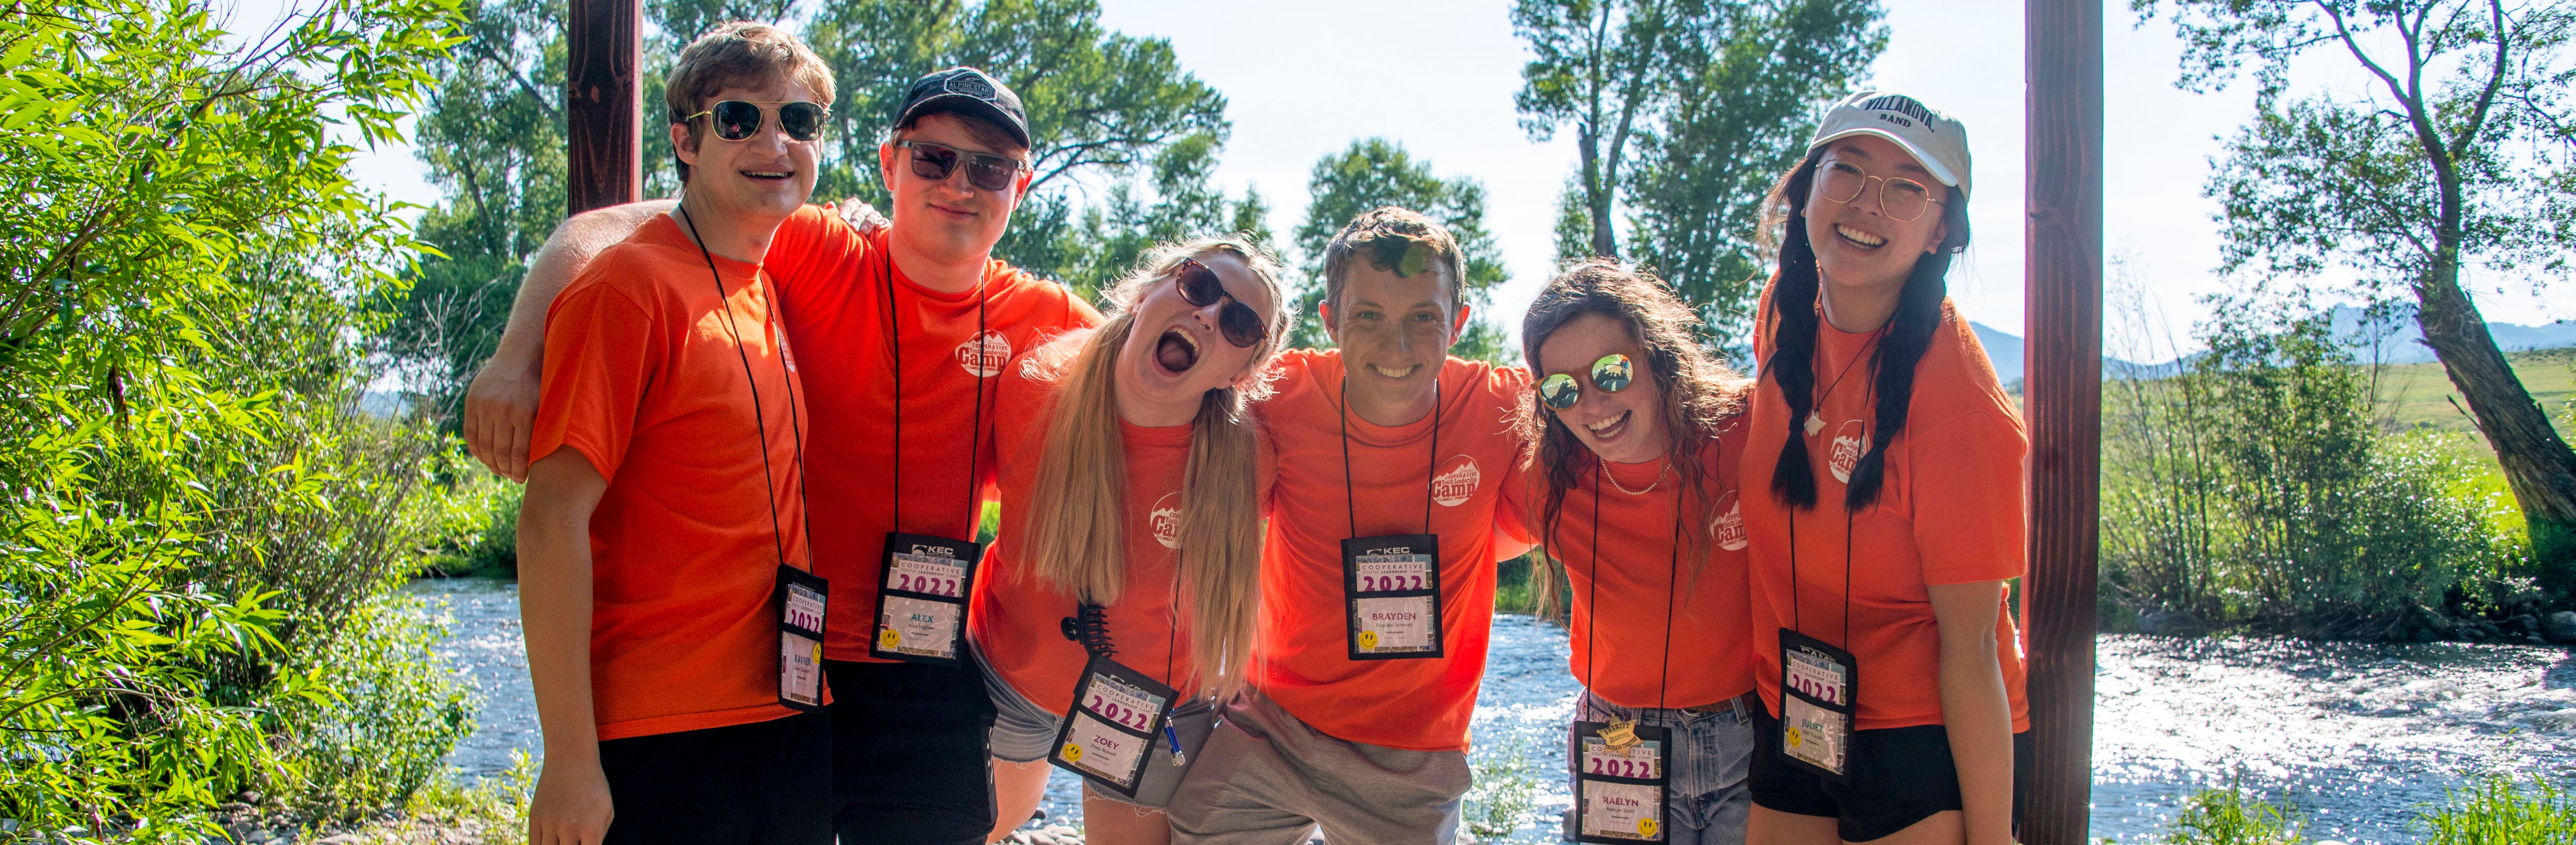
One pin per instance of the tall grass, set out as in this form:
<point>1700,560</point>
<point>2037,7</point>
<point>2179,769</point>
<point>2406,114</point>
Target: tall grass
<point>2493,811</point>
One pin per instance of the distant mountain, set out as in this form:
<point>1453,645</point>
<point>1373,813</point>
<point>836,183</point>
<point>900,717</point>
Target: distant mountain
<point>2398,340</point>
<point>2006,352</point>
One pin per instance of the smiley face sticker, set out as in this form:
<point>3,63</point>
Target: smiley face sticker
<point>889,638</point>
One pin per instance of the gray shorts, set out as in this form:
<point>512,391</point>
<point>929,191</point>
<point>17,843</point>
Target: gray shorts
<point>1024,732</point>
<point>1266,778</point>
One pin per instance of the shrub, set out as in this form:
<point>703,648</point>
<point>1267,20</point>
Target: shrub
<point>2493,812</point>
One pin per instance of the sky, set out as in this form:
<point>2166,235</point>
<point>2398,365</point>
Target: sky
<point>1305,79</point>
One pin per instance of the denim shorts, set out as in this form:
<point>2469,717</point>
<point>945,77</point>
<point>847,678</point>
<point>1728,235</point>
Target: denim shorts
<point>1709,797</point>
<point>1024,732</point>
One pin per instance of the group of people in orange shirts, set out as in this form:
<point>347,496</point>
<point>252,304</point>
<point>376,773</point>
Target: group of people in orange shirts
<point>758,436</point>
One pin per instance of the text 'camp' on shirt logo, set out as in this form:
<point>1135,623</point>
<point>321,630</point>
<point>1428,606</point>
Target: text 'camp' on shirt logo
<point>1728,527</point>
<point>985,354</point>
<point>1166,520</point>
<point>1456,481</point>
<point>1850,441</point>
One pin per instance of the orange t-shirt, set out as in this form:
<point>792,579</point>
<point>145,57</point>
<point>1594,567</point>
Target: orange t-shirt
<point>1677,632</point>
<point>1304,660</point>
<point>1951,512</point>
<point>642,377</point>
<point>838,295</point>
<point>1017,615</point>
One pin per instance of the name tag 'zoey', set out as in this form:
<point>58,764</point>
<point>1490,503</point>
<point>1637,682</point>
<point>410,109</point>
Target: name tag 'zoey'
<point>1818,685</point>
<point>802,599</point>
<point>1391,589</point>
<point>1117,715</point>
<point>1621,782</point>
<point>921,599</point>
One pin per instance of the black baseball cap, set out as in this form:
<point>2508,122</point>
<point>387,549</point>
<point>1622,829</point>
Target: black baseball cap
<point>970,91</point>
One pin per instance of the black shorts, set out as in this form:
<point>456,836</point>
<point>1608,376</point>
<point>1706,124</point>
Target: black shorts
<point>765,783</point>
<point>910,763</point>
<point>1896,777</point>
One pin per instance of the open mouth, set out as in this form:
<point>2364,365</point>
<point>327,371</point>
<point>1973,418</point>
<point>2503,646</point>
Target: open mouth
<point>1610,428</point>
<point>1176,352</point>
<point>1858,238</point>
<point>1385,372</point>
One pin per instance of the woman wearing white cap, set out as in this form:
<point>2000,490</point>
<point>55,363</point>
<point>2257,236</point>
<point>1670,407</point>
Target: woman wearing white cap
<point>1883,497</point>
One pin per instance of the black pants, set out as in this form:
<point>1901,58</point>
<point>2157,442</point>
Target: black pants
<point>765,783</point>
<point>910,763</point>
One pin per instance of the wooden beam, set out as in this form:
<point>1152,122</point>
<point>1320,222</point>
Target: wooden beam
<point>604,54</point>
<point>2062,255</point>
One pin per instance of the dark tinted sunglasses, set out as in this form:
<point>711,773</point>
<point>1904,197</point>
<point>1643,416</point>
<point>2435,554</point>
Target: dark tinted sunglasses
<point>1199,286</point>
<point>1610,374</point>
<point>934,162</point>
<point>737,120</point>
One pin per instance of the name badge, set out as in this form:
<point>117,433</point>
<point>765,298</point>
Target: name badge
<point>1391,589</point>
<point>801,600</point>
<point>1818,685</point>
<point>922,593</point>
<point>1118,716</point>
<point>1621,783</point>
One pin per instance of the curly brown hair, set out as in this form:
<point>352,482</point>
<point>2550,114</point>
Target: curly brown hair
<point>1701,393</point>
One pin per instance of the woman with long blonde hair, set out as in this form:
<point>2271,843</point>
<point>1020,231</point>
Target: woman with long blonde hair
<point>1131,522</point>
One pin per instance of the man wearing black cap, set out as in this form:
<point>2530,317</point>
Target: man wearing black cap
<point>899,333</point>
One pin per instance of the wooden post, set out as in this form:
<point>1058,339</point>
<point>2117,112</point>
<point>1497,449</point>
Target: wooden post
<point>2062,255</point>
<point>604,54</point>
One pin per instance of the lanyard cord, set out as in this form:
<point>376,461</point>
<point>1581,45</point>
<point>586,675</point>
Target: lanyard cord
<point>975,442</point>
<point>1672,586</point>
<point>1672,583</point>
<point>1796,623</point>
<point>759,420</point>
<point>1349,497</point>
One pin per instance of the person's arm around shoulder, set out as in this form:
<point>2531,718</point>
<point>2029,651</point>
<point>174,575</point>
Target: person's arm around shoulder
<point>1974,708</point>
<point>502,401</point>
<point>571,805</point>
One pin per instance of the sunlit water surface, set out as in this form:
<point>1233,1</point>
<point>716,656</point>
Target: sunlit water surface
<point>2358,737</point>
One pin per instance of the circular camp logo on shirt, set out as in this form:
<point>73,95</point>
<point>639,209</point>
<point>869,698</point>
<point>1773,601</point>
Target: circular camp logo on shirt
<point>1166,520</point>
<point>984,355</point>
<point>1455,481</point>
<point>1728,527</point>
<point>1849,442</point>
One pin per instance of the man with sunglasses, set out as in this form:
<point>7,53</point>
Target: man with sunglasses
<point>665,507</point>
<point>1393,461</point>
<point>900,333</point>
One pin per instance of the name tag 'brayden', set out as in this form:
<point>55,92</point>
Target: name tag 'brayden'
<point>1118,713</point>
<point>922,594</point>
<point>1818,687</point>
<point>802,600</point>
<point>1391,589</point>
<point>1622,784</point>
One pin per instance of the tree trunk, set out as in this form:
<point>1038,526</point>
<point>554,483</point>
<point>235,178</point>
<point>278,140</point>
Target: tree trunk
<point>2537,463</point>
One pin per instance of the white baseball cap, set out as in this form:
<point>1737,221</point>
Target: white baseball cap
<point>1933,136</point>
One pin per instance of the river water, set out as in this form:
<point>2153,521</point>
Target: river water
<point>2356,737</point>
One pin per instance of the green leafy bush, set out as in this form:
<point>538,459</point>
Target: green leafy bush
<point>2494,812</point>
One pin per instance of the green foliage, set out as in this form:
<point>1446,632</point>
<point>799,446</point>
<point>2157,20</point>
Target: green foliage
<point>1376,172</point>
<point>195,508</point>
<point>2226,817</point>
<point>2256,488</point>
<point>1685,112</point>
<point>387,691</point>
<point>1174,202</point>
<point>472,528</point>
<point>2494,812</point>
<point>1504,794</point>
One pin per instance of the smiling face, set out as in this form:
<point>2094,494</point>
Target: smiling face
<point>1858,247</point>
<point>950,219</point>
<point>1394,332</point>
<point>1623,427</point>
<point>764,177</point>
<point>1175,353</point>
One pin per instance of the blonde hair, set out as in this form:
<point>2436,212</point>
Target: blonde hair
<point>1077,540</point>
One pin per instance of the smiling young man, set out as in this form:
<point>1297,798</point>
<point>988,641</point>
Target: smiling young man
<point>1378,572</point>
<point>664,516</point>
<point>903,333</point>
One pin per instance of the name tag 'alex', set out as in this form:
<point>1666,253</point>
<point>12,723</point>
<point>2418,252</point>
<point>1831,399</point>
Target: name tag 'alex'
<point>922,594</point>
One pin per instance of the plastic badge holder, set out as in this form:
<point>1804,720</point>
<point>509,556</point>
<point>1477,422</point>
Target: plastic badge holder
<point>1620,794</point>
<point>801,603</point>
<point>1391,593</point>
<point>922,596</point>
<point>1818,686</point>
<point>1116,726</point>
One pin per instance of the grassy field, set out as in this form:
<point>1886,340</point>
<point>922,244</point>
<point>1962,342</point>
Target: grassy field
<point>2413,394</point>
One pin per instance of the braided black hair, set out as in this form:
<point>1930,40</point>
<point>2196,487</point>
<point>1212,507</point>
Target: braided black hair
<point>1794,291</point>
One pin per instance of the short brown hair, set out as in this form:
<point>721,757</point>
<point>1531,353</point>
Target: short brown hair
<point>739,54</point>
<point>1391,238</point>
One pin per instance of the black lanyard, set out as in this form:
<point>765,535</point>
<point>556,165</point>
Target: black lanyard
<point>1350,497</point>
<point>975,443</point>
<point>759,422</point>
<point>1672,585</point>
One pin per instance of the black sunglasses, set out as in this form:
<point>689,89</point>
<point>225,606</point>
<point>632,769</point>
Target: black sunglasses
<point>1611,374</point>
<point>934,162</point>
<point>737,120</point>
<point>1199,286</point>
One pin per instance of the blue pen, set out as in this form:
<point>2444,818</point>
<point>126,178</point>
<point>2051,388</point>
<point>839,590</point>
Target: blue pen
<point>1174,737</point>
